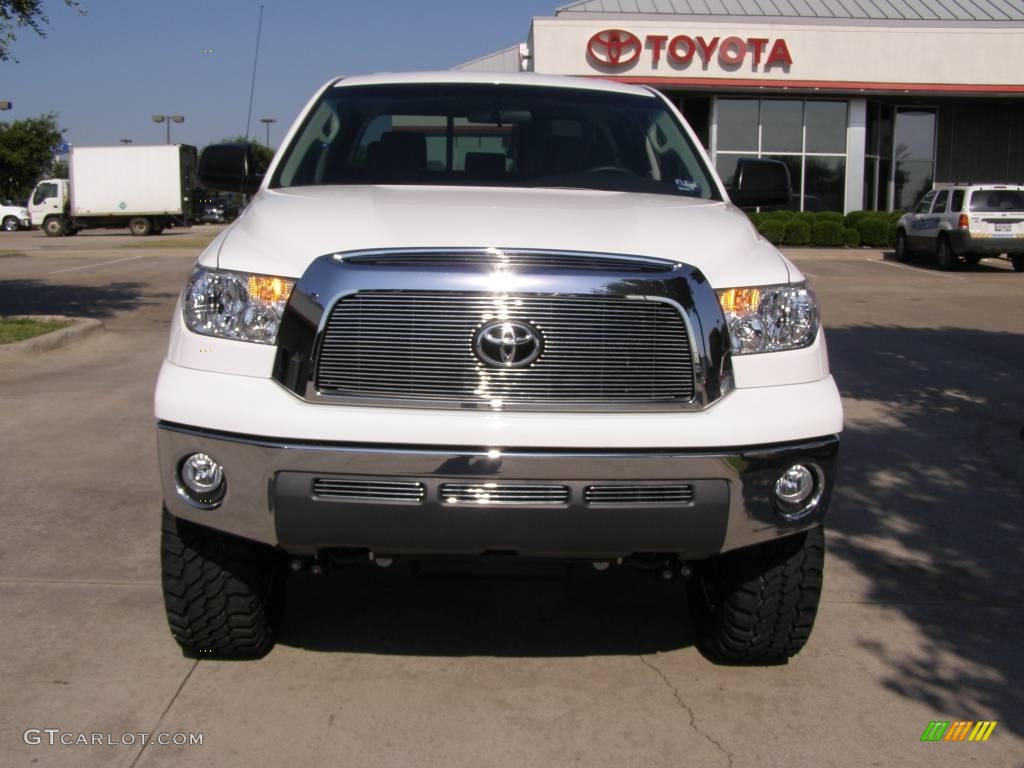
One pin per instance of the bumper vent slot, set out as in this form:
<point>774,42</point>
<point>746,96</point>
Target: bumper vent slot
<point>504,494</point>
<point>638,495</point>
<point>368,490</point>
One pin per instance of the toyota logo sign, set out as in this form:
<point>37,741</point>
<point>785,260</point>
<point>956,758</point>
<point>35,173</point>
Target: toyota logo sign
<point>614,47</point>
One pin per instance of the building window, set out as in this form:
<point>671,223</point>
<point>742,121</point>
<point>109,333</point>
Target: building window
<point>913,155</point>
<point>808,136</point>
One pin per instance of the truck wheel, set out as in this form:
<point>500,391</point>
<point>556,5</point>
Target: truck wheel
<point>902,248</point>
<point>53,226</point>
<point>140,226</point>
<point>1018,262</point>
<point>757,605</point>
<point>944,255</point>
<point>11,224</point>
<point>219,591</point>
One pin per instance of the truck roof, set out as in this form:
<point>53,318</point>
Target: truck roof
<point>491,78</point>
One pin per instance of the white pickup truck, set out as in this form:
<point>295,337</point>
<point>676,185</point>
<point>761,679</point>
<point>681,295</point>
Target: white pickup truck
<point>473,315</point>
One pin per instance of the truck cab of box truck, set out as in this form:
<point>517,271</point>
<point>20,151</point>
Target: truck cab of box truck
<point>50,200</point>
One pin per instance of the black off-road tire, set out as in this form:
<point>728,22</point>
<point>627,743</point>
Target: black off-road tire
<point>1018,262</point>
<point>902,246</point>
<point>221,592</point>
<point>944,255</point>
<point>757,605</point>
<point>11,224</point>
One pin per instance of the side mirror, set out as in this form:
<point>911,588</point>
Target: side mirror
<point>229,167</point>
<point>760,182</point>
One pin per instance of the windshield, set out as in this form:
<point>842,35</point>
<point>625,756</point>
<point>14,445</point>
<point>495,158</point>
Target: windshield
<point>486,135</point>
<point>996,200</point>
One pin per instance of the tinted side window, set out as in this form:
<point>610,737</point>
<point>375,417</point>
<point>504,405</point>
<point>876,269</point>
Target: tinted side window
<point>940,202</point>
<point>44,191</point>
<point>926,203</point>
<point>958,201</point>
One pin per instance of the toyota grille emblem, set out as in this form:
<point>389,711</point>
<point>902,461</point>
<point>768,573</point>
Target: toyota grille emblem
<point>614,47</point>
<point>508,344</point>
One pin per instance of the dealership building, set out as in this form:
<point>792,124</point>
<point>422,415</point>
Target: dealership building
<point>868,102</point>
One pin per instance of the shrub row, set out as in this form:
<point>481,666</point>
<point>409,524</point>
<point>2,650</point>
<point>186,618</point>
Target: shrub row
<point>876,229</point>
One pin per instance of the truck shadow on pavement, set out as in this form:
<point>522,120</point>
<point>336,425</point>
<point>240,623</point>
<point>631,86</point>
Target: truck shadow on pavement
<point>926,262</point>
<point>365,609</point>
<point>36,297</point>
<point>929,511</point>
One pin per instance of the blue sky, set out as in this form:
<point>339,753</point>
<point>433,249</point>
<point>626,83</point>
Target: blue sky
<point>107,72</point>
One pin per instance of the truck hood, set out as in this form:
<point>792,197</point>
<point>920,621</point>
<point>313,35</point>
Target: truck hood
<point>282,231</point>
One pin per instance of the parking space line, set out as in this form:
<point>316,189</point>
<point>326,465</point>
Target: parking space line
<point>101,264</point>
<point>912,269</point>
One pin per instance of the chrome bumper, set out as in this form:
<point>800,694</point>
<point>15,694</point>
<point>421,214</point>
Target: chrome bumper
<point>270,497</point>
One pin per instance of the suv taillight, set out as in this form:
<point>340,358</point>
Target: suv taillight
<point>964,221</point>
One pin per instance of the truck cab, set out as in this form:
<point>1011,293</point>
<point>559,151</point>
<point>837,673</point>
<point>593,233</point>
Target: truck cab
<point>49,205</point>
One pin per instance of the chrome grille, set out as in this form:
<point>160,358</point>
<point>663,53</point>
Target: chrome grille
<point>417,347</point>
<point>516,259</point>
<point>503,493</point>
<point>367,490</point>
<point>638,495</point>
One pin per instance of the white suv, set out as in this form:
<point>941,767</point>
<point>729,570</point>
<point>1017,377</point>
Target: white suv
<point>488,315</point>
<point>966,222</point>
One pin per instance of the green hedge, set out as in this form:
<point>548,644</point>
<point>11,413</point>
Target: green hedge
<point>828,229</point>
<point>874,231</point>
<point>797,233</point>
<point>827,233</point>
<point>773,231</point>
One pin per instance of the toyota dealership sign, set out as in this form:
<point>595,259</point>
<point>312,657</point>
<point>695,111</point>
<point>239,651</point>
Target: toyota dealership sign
<point>618,49</point>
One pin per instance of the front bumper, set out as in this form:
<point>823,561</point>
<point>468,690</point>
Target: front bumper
<point>270,497</point>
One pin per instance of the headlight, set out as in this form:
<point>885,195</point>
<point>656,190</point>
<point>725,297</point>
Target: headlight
<point>770,319</point>
<point>235,305</point>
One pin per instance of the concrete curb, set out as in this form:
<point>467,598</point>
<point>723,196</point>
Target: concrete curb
<point>80,328</point>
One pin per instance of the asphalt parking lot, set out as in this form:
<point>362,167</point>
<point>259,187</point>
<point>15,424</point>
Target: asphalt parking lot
<point>921,616</point>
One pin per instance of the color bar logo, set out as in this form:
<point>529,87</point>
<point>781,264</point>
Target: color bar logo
<point>958,730</point>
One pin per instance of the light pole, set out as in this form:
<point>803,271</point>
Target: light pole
<point>267,121</point>
<point>168,119</point>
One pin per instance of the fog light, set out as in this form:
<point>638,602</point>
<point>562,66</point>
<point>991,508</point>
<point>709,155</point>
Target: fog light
<point>798,491</point>
<point>796,485</point>
<point>201,479</point>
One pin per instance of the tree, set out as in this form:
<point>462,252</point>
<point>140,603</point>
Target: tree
<point>59,169</point>
<point>262,152</point>
<point>15,15</point>
<point>26,153</point>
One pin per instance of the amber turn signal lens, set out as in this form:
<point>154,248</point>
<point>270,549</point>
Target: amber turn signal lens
<point>270,289</point>
<point>965,222</point>
<point>738,300</point>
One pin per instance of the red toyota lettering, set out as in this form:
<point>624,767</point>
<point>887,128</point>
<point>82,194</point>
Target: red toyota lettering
<point>706,48</point>
<point>681,49</point>
<point>732,50</point>
<point>757,46</point>
<point>657,43</point>
<point>779,55</point>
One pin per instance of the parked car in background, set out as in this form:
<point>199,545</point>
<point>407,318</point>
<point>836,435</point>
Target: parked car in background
<point>965,221</point>
<point>14,217</point>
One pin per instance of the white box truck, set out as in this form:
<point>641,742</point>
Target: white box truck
<point>144,188</point>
